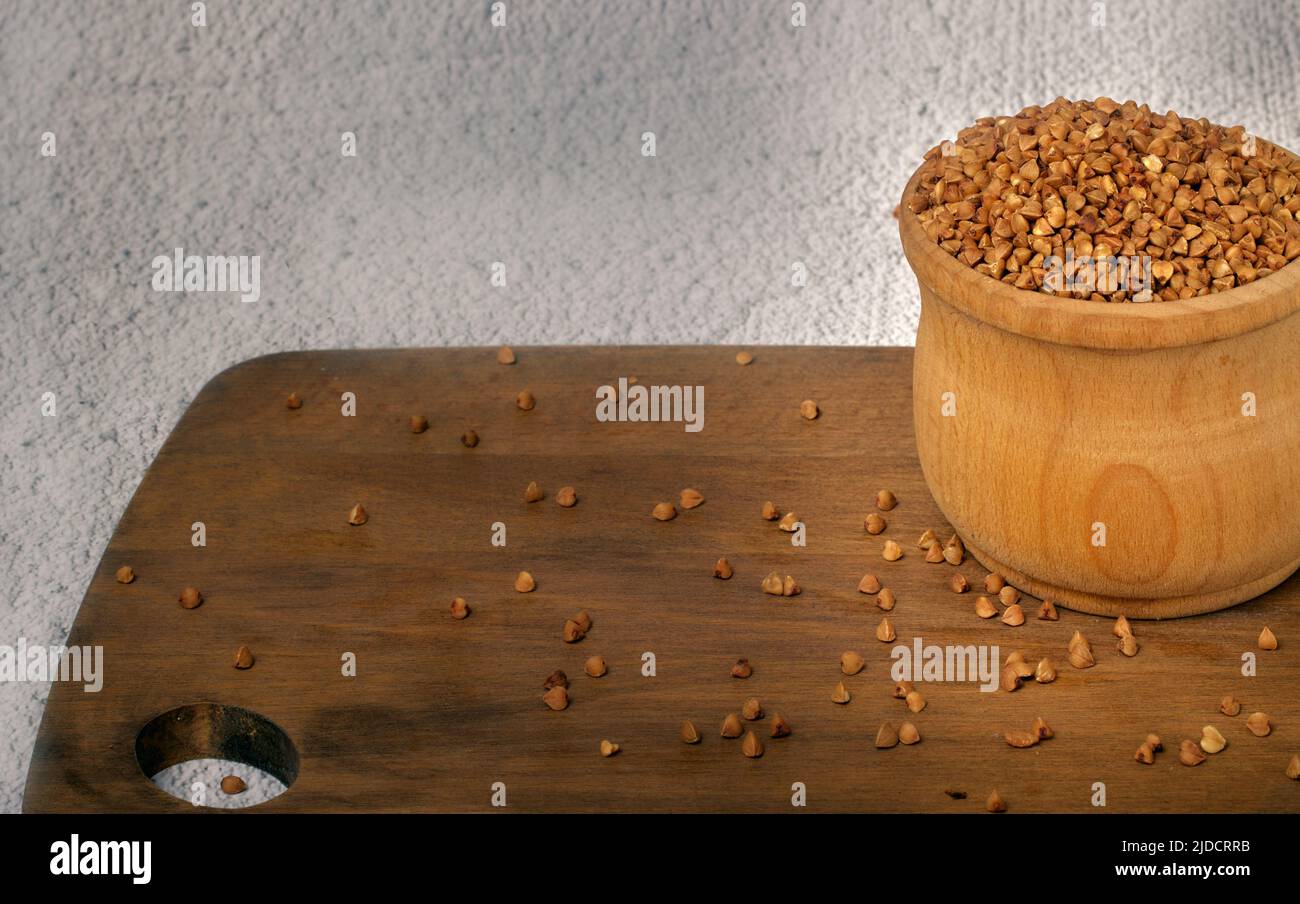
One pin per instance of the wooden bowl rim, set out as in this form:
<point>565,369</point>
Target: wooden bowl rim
<point>1095,324</point>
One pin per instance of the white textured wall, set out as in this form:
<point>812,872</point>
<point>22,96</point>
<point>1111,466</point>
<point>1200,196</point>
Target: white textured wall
<point>478,144</point>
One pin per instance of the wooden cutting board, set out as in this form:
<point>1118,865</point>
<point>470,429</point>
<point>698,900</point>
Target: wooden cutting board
<point>440,709</point>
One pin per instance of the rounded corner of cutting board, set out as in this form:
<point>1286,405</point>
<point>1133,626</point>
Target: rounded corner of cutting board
<point>255,363</point>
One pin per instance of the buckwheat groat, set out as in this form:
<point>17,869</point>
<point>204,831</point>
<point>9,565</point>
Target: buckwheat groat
<point>1197,208</point>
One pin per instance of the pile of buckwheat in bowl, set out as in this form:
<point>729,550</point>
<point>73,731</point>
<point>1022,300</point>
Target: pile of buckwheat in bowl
<point>1198,208</point>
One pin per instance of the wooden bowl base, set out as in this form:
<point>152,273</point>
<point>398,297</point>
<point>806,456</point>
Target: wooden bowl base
<point>1132,607</point>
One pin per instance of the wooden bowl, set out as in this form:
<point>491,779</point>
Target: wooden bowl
<point>1072,413</point>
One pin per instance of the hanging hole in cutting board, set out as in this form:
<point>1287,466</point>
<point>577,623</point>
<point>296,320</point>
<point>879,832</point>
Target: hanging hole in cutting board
<point>187,751</point>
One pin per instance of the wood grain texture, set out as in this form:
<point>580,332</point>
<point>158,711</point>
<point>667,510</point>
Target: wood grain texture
<point>441,709</point>
<point>1071,413</point>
